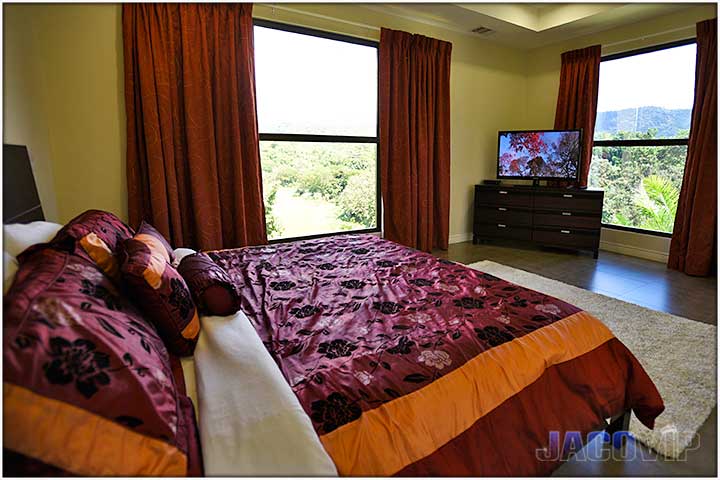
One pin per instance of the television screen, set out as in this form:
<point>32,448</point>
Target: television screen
<point>539,154</point>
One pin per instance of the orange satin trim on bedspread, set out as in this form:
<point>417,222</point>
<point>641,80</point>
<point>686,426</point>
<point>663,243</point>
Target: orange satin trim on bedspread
<point>81,442</point>
<point>388,438</point>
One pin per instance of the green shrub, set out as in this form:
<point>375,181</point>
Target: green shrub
<point>271,222</point>
<point>357,201</point>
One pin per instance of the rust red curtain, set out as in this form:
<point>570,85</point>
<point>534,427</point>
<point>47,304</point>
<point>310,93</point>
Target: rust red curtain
<point>414,98</point>
<point>193,163</point>
<point>577,99</point>
<point>693,244</point>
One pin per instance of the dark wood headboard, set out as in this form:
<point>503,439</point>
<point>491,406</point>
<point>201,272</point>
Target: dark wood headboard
<point>21,203</point>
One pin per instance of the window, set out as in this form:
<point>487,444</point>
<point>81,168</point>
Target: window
<point>641,135</point>
<point>317,117</point>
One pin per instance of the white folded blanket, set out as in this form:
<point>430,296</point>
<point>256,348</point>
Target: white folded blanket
<point>251,422</point>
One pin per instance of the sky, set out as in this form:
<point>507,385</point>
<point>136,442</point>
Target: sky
<point>307,84</point>
<point>665,78</point>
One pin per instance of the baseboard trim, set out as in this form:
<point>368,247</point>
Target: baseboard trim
<point>460,237</point>
<point>654,255</point>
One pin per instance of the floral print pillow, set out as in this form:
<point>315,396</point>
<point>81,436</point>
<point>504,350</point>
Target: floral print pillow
<point>95,235</point>
<point>148,234</point>
<point>78,354</point>
<point>162,294</point>
<point>212,289</point>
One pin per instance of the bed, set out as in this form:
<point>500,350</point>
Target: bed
<point>400,363</point>
<point>349,355</point>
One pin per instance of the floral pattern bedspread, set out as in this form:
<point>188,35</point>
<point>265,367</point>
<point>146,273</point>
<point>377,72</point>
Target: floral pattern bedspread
<point>374,337</point>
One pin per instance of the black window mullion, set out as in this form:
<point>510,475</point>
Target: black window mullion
<point>299,137</point>
<point>314,32</point>
<point>650,49</point>
<point>650,142</point>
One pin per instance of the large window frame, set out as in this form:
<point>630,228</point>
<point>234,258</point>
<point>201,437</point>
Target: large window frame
<point>660,142</point>
<point>298,137</point>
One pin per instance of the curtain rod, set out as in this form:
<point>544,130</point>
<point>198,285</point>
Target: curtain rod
<point>651,35</point>
<point>324,17</point>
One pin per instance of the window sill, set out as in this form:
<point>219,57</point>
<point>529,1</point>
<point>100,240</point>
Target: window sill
<point>322,235</point>
<point>637,230</point>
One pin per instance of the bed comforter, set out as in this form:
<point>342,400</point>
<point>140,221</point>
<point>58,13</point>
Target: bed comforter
<point>411,365</point>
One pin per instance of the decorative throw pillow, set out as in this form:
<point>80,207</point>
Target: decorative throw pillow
<point>211,286</point>
<point>160,291</point>
<point>88,383</point>
<point>97,235</point>
<point>148,234</point>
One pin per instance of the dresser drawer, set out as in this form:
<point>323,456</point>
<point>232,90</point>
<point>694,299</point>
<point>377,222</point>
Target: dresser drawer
<point>505,215</point>
<point>502,230</point>
<point>503,197</point>
<point>569,202</point>
<point>566,237</point>
<point>566,219</point>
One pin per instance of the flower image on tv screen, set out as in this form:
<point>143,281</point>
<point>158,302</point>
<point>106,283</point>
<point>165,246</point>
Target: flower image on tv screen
<point>541,154</point>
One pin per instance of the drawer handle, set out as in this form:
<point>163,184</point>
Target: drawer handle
<point>564,231</point>
<point>502,209</point>
<point>567,214</point>
<point>567,195</point>
<point>502,192</point>
<point>501,225</point>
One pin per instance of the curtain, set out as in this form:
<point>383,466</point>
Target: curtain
<point>692,248</point>
<point>414,98</point>
<point>193,163</point>
<point>577,99</point>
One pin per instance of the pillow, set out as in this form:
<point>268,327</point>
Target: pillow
<point>96,235</point>
<point>147,233</point>
<point>88,383</point>
<point>211,286</point>
<point>161,293</point>
<point>19,236</point>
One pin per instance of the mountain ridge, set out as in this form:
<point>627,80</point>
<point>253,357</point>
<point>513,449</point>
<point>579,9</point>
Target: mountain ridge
<point>668,122</point>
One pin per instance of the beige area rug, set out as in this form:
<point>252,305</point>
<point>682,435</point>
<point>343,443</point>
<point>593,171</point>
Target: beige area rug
<point>679,355</point>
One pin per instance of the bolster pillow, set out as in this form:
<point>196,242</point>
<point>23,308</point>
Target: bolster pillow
<point>212,289</point>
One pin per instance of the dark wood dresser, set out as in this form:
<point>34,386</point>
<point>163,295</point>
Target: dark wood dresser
<point>557,217</point>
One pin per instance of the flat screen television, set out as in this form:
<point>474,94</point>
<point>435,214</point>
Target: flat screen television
<point>539,154</point>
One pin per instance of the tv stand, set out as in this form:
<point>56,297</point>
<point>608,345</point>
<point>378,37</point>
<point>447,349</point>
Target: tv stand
<point>549,216</point>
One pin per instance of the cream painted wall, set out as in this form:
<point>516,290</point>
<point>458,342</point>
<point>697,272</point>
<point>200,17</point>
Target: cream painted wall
<point>64,99</point>
<point>543,78</point>
<point>24,116</point>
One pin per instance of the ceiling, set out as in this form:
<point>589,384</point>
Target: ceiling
<point>528,25</point>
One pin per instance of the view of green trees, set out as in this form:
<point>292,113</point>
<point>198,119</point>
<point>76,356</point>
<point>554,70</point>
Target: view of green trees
<point>657,202</point>
<point>641,184</point>
<point>313,188</point>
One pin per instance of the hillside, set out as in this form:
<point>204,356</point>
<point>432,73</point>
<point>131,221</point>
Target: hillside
<point>667,122</point>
